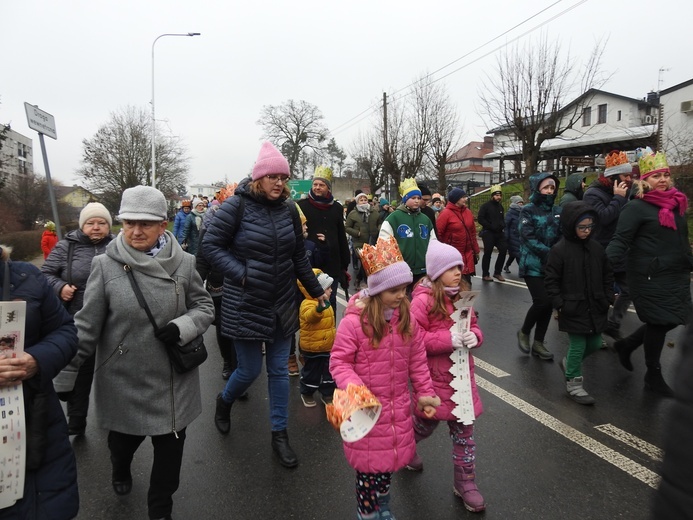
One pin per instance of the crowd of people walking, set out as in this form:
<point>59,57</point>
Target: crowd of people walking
<point>265,271</point>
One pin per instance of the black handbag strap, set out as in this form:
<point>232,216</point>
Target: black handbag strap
<point>140,296</point>
<point>6,283</point>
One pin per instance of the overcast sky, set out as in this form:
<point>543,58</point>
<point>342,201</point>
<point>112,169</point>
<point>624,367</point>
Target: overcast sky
<point>82,60</point>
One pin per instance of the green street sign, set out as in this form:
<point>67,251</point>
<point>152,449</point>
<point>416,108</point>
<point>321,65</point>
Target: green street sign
<point>299,187</point>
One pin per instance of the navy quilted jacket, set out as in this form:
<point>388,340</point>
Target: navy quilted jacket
<point>261,257</point>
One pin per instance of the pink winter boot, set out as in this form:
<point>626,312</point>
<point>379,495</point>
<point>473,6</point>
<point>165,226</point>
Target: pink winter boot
<point>466,489</point>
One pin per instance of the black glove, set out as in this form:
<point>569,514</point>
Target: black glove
<point>169,334</point>
<point>65,396</point>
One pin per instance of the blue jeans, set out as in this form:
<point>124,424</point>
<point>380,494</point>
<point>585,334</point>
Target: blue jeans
<point>249,355</point>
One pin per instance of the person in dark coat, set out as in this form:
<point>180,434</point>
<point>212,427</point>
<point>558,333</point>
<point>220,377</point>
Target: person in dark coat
<point>426,208</point>
<point>512,235</point>
<point>491,217</point>
<point>574,188</point>
<point>325,217</point>
<point>261,255</point>
<point>674,497</point>
<point>653,232</point>
<point>50,341</point>
<point>539,230</point>
<point>192,225</point>
<point>608,195</point>
<point>67,271</point>
<point>579,282</point>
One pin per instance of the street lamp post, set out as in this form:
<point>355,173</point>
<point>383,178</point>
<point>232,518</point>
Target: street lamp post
<point>153,112</point>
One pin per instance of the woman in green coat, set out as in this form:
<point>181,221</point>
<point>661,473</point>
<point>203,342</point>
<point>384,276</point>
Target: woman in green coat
<point>652,231</point>
<point>362,226</point>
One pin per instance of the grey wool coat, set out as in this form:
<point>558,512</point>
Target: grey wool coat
<point>136,390</point>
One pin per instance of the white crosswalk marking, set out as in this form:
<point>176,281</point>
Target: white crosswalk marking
<point>631,440</point>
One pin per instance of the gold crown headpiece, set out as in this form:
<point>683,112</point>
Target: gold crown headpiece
<point>227,191</point>
<point>376,258</point>
<point>615,158</point>
<point>407,186</point>
<point>652,163</point>
<point>323,172</point>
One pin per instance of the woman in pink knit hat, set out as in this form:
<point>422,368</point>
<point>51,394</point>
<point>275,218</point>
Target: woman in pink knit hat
<point>256,240</point>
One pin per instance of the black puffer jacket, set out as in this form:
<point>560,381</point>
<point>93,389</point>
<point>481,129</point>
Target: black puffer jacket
<point>329,222</point>
<point>55,267</point>
<point>674,498</point>
<point>578,278</point>
<point>608,206</point>
<point>261,256</point>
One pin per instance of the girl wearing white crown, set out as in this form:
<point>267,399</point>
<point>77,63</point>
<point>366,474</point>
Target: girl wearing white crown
<point>379,346</point>
<point>432,307</point>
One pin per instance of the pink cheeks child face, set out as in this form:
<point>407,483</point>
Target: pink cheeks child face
<point>392,298</point>
<point>451,277</point>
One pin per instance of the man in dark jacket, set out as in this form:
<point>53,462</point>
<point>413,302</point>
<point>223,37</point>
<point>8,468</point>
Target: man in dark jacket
<point>325,216</point>
<point>50,341</point>
<point>574,188</point>
<point>608,195</point>
<point>491,216</point>
<point>426,208</point>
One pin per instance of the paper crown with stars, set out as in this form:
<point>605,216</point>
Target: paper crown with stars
<point>652,163</point>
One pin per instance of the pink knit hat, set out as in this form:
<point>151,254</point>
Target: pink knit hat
<point>441,257</point>
<point>270,161</point>
<point>389,277</point>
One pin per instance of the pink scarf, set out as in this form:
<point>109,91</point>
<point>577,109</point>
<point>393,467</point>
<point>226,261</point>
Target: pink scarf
<point>667,201</point>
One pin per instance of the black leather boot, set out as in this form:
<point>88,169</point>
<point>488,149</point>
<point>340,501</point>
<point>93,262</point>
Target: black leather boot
<point>626,346</point>
<point>654,381</point>
<point>280,445</point>
<point>121,478</point>
<point>222,415</point>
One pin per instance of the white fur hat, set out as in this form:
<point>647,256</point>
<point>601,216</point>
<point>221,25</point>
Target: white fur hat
<point>92,210</point>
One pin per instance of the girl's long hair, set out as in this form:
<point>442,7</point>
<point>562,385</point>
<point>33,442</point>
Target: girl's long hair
<point>439,308</point>
<point>373,321</point>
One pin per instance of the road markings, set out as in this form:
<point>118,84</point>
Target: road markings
<point>631,440</point>
<point>605,453</point>
<point>489,368</point>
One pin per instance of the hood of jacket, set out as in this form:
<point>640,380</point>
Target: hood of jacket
<point>573,184</point>
<point>535,196</point>
<point>305,293</point>
<point>570,216</point>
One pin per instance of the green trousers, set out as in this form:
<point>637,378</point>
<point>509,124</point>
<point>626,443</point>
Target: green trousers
<point>581,346</point>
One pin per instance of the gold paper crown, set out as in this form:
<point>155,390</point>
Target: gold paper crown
<point>323,172</point>
<point>652,163</point>
<point>407,186</point>
<point>376,258</point>
<point>616,158</point>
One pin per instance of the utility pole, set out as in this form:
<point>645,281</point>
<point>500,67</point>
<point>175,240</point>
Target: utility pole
<point>660,111</point>
<point>386,149</point>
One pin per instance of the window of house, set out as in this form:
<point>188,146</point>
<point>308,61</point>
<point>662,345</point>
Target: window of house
<point>618,116</point>
<point>587,116</point>
<point>601,114</point>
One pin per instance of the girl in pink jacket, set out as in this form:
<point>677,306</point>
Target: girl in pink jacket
<point>379,345</point>
<point>432,306</point>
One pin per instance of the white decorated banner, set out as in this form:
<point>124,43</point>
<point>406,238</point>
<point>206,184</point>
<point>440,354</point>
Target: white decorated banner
<point>460,369</point>
<point>12,427</point>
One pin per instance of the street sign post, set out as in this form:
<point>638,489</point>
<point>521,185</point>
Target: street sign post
<point>44,123</point>
<point>299,187</point>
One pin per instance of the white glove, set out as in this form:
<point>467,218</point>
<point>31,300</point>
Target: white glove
<point>470,340</point>
<point>457,340</point>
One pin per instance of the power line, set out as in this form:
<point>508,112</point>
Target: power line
<point>343,127</point>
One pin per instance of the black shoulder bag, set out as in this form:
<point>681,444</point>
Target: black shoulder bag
<point>184,358</point>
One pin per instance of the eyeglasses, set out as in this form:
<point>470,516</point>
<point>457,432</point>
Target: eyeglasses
<point>275,178</point>
<point>588,227</point>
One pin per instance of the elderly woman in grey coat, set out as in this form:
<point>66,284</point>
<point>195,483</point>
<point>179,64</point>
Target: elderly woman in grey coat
<point>131,361</point>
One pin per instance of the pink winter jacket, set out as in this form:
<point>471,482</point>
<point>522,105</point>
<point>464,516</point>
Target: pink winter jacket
<point>438,343</point>
<point>386,371</point>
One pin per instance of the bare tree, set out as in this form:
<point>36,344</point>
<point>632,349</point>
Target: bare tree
<point>443,129</point>
<point>367,152</point>
<point>293,127</point>
<point>528,97</point>
<point>118,157</point>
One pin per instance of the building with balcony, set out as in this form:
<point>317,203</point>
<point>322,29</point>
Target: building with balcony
<point>16,156</point>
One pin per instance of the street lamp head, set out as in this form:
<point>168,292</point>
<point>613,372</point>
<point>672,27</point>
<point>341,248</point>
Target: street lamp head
<point>193,34</point>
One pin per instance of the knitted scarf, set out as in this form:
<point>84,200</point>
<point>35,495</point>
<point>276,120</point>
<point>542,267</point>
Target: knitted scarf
<point>320,202</point>
<point>667,201</point>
